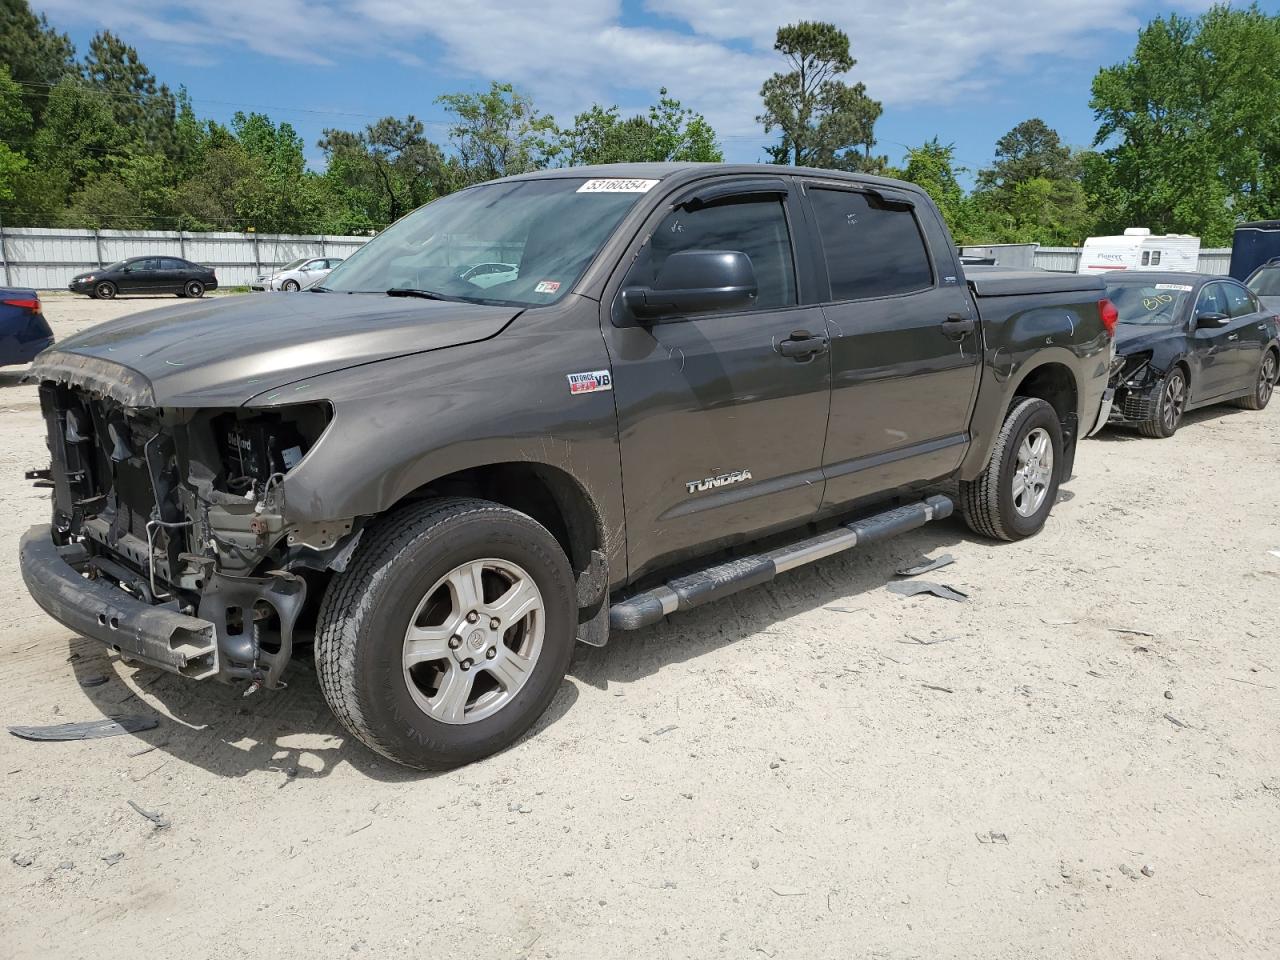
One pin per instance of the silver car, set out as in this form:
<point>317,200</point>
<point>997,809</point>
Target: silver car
<point>297,274</point>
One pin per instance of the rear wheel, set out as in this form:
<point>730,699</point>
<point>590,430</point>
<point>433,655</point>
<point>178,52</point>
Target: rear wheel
<point>104,290</point>
<point>1263,386</point>
<point>1170,406</point>
<point>449,633</point>
<point>194,289</point>
<point>1013,496</point>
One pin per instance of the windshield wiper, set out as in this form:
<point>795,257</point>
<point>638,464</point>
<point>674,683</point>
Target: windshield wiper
<point>318,290</point>
<point>410,292</point>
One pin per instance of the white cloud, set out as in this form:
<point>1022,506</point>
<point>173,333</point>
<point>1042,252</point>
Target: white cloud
<point>713,54</point>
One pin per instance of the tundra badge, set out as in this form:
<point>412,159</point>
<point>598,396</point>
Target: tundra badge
<point>735,476</point>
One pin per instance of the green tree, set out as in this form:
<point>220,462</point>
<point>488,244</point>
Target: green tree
<point>1188,125</point>
<point>15,129</point>
<point>37,55</point>
<point>498,133</point>
<point>823,121</point>
<point>669,132</point>
<point>932,166</point>
<point>140,105</point>
<point>1030,150</point>
<point>384,171</point>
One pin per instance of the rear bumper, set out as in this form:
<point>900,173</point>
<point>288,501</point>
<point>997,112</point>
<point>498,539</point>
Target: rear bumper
<point>156,635</point>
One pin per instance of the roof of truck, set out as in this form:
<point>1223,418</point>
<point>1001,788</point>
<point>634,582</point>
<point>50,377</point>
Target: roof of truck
<point>688,170</point>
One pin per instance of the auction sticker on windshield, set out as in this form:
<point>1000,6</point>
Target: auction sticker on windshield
<point>617,186</point>
<point>1184,287</point>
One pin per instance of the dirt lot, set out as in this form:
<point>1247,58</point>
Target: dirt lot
<point>796,772</point>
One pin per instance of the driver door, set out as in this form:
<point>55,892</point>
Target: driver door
<point>1213,349</point>
<point>721,434</point>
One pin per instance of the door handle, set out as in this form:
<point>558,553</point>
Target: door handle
<point>957,326</point>
<point>802,345</point>
<point>1233,336</point>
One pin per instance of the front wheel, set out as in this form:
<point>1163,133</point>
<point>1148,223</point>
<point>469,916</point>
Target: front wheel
<point>449,633</point>
<point>290,286</point>
<point>106,290</point>
<point>1263,386</point>
<point>1013,496</point>
<point>1170,406</point>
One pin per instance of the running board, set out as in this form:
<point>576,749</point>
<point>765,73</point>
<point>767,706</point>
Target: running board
<point>685,593</point>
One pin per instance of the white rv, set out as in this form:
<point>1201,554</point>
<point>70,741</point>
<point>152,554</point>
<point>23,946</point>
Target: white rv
<point>1137,249</point>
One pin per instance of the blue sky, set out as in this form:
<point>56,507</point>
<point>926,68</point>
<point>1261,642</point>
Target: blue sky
<point>963,70</point>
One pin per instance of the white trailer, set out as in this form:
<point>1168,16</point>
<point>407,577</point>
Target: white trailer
<point>1137,249</point>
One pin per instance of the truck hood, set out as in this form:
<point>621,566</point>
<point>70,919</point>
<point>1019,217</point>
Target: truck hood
<point>224,351</point>
<point>1132,337</point>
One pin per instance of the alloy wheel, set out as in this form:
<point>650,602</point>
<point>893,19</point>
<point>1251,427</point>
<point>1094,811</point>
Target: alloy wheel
<point>1033,472</point>
<point>473,641</point>
<point>1266,379</point>
<point>1175,400</point>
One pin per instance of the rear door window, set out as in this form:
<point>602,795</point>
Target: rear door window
<point>1240,302</point>
<point>871,249</point>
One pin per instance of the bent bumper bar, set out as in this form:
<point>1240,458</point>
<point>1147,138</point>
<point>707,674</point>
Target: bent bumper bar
<point>158,636</point>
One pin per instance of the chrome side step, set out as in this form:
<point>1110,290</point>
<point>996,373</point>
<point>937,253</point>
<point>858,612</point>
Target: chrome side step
<point>685,593</point>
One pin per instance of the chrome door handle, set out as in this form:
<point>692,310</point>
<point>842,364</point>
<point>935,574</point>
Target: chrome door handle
<point>1233,336</point>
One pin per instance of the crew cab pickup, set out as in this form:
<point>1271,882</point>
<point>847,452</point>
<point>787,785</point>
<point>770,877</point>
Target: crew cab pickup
<point>444,483</point>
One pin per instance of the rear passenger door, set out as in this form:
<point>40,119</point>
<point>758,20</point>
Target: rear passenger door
<point>906,348</point>
<point>1247,335</point>
<point>721,427</point>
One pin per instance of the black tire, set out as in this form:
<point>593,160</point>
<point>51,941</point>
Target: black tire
<point>366,609</point>
<point>193,289</point>
<point>104,290</point>
<point>290,286</point>
<point>987,503</point>
<point>1263,385</point>
<point>1170,406</point>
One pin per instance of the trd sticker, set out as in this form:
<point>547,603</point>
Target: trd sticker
<point>547,286</point>
<point>590,382</point>
<point>617,186</point>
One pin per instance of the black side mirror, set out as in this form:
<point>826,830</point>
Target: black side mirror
<point>695,281</point>
<point>1211,321</point>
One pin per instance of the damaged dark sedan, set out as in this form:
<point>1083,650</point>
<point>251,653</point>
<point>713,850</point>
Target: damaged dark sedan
<point>1187,340</point>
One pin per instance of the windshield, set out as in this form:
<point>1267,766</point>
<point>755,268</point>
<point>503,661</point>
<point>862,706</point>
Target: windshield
<point>524,242</point>
<point>118,265</point>
<point>1149,303</point>
<point>1266,282</point>
<point>293,264</point>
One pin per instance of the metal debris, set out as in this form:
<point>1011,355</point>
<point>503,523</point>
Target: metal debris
<point>159,819</point>
<point>88,729</point>
<point>930,686</point>
<point>667,729</point>
<point>1175,721</point>
<point>1130,631</point>
<point>911,588</point>
<point>111,859</point>
<point>945,560</point>
<point>993,836</point>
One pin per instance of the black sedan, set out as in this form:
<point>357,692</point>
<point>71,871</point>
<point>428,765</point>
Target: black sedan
<point>146,275</point>
<point>24,331</point>
<point>1186,340</point>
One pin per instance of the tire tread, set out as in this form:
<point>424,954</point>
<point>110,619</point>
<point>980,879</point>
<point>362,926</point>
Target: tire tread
<point>980,498</point>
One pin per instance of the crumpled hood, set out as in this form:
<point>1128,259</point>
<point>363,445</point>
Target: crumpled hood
<point>222,352</point>
<point>1132,337</point>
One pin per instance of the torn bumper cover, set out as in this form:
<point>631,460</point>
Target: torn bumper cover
<point>227,645</point>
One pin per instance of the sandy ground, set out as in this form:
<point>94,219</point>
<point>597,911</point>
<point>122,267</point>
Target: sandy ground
<point>795,772</point>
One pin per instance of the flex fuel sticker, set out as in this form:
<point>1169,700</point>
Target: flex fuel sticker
<point>590,382</point>
<point>1184,287</point>
<point>617,186</point>
<point>547,286</point>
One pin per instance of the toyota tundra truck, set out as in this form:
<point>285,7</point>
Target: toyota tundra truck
<point>685,380</point>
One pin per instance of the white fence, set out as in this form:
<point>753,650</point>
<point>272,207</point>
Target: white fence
<point>1214,260</point>
<point>46,259</point>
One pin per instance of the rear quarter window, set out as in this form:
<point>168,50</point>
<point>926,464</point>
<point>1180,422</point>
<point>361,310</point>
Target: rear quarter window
<point>871,250</point>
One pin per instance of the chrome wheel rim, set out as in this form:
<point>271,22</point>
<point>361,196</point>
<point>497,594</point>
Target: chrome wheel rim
<point>1033,472</point>
<point>473,641</point>
<point>1266,378</point>
<point>1175,398</point>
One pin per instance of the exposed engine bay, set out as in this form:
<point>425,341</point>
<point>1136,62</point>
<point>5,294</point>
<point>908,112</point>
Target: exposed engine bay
<point>184,509</point>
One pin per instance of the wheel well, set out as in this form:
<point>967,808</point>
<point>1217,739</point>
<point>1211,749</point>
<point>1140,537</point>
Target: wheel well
<point>1054,384</point>
<point>549,495</point>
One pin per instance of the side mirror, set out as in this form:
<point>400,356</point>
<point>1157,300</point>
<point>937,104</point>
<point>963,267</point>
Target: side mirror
<point>695,281</point>
<point>1211,321</point>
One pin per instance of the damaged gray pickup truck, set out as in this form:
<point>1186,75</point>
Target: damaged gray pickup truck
<point>537,411</point>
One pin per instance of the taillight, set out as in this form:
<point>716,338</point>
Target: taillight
<point>1109,316</point>
<point>32,305</point>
